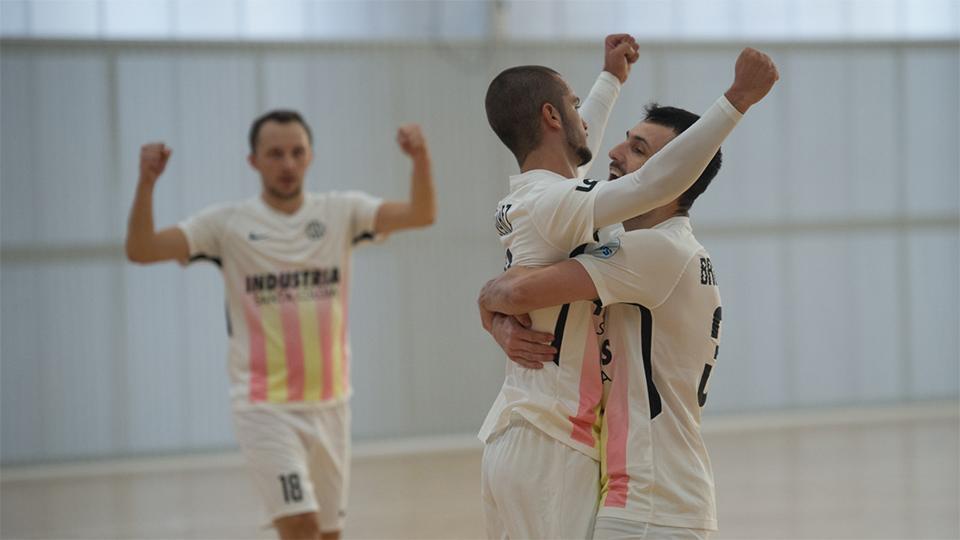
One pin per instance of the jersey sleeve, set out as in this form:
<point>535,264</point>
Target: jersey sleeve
<point>639,267</point>
<point>595,111</point>
<point>204,230</point>
<point>363,214</point>
<point>563,213</point>
<point>671,171</point>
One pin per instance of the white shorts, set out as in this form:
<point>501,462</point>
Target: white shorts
<point>300,460</point>
<point>609,528</point>
<point>534,486</point>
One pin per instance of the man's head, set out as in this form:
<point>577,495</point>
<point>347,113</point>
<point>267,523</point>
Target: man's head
<point>528,105</point>
<point>660,126</point>
<point>280,150</point>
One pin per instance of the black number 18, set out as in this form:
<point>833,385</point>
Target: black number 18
<point>291,488</point>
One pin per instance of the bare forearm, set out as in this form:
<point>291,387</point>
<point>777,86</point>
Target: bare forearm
<point>140,229</point>
<point>423,203</point>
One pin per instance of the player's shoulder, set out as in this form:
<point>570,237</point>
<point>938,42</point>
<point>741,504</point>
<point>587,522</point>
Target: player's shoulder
<point>226,209</point>
<point>670,242</point>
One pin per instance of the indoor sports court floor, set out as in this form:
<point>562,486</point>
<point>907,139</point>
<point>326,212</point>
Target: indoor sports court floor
<point>866,473</point>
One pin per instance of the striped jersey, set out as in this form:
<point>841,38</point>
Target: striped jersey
<point>660,342</point>
<point>286,280</point>
<point>545,219</point>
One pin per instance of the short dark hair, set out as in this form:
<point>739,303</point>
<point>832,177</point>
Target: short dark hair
<point>679,120</point>
<point>281,116</point>
<point>514,100</point>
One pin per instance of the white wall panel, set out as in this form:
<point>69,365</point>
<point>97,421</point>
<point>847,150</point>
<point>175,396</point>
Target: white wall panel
<point>76,18</point>
<point>874,145</point>
<point>158,362</point>
<point>137,18</point>
<point>13,17</point>
<point>211,19</point>
<point>934,321</point>
<point>818,114</point>
<point>876,303</point>
<point>216,102</point>
<point>273,18</point>
<point>932,121</point>
<point>821,366</point>
<point>18,214</point>
<point>72,146</point>
<point>21,399</point>
<point>77,352</point>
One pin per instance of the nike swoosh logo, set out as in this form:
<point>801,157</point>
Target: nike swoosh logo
<point>254,237</point>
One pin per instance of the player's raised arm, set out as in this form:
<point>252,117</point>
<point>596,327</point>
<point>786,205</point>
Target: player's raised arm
<point>421,209</point>
<point>678,165</point>
<point>620,53</point>
<point>144,244</point>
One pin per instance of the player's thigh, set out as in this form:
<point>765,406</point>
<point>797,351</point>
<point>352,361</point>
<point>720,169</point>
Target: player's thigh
<point>277,458</point>
<point>329,458</point>
<point>608,528</point>
<point>537,487</point>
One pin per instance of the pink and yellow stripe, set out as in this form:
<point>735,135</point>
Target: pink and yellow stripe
<point>616,425</point>
<point>585,425</point>
<point>297,350</point>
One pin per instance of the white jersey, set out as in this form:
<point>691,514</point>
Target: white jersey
<point>547,218</point>
<point>662,333</point>
<point>286,281</point>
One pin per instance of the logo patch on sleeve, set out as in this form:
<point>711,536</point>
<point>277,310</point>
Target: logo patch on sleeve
<point>606,250</point>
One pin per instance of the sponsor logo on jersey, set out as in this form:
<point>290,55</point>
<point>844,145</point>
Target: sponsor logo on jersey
<point>253,237</point>
<point>607,250</point>
<point>315,230</point>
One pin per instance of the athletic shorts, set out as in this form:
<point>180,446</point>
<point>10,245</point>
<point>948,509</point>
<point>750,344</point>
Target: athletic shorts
<point>300,460</point>
<point>534,486</point>
<point>609,528</point>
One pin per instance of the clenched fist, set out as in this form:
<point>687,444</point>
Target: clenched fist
<point>153,160</point>
<point>411,140</point>
<point>754,76</point>
<point>620,51</point>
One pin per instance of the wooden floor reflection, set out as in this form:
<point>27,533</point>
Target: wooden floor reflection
<point>895,478</point>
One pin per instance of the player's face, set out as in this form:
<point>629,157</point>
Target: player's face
<point>575,128</point>
<point>282,156</point>
<point>642,142</point>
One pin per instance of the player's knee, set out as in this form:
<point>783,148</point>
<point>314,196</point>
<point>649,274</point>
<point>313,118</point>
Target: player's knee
<point>298,527</point>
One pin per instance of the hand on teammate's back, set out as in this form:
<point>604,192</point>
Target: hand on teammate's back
<point>620,52</point>
<point>411,140</point>
<point>754,76</point>
<point>153,160</point>
<point>523,345</point>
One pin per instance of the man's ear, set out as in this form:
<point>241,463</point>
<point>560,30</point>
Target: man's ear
<point>551,116</point>
<point>252,160</point>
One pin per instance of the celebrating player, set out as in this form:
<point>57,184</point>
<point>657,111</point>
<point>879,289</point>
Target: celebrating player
<point>285,258</point>
<point>659,338</point>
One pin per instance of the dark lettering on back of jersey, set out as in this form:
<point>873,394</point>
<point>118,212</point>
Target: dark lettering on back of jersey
<point>707,276</point>
<point>587,185</point>
<point>502,221</point>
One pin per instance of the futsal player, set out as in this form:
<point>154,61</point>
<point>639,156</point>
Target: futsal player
<point>540,461</point>
<point>285,257</point>
<point>659,339</point>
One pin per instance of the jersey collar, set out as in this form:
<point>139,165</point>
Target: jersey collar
<point>534,176</point>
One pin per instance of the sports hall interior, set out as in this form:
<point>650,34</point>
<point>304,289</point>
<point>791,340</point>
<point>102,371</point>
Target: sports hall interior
<point>833,226</point>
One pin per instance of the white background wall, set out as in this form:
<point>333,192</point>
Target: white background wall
<point>833,227</point>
